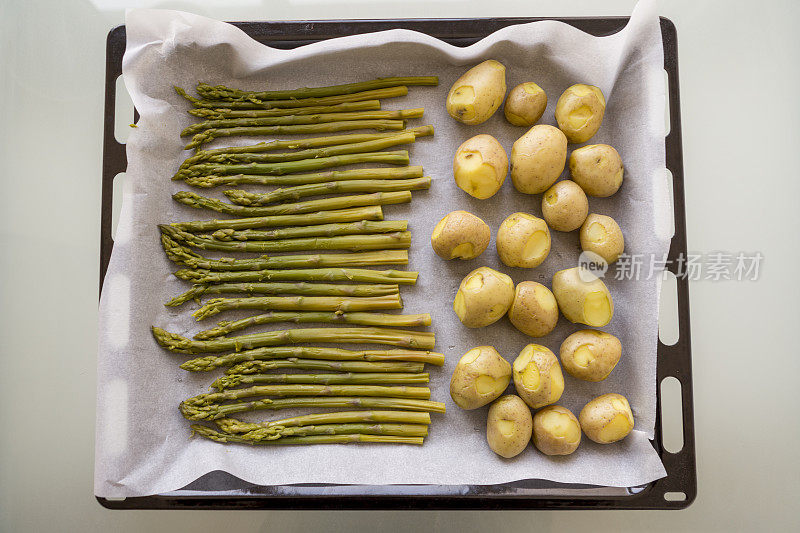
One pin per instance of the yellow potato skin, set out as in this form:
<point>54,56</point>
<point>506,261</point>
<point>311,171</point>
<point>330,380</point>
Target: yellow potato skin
<point>534,311</point>
<point>607,418</point>
<point>579,112</point>
<point>523,240</point>
<point>565,206</point>
<point>598,169</point>
<point>525,104</point>
<point>537,376</point>
<point>478,93</point>
<point>483,297</point>
<point>583,302</point>
<point>602,235</point>
<point>590,354</point>
<point>538,158</point>
<point>480,166</point>
<point>556,431</point>
<point>480,376</point>
<point>509,426</point>
<point>460,235</point>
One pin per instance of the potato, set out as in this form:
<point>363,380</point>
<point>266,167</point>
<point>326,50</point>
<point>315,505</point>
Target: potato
<point>590,354</point>
<point>597,168</point>
<point>534,311</point>
<point>480,376</point>
<point>525,104</point>
<point>583,302</point>
<point>565,206</point>
<point>480,166</point>
<point>607,418</point>
<point>537,376</point>
<point>523,240</point>
<point>579,112</point>
<point>460,235</point>
<point>556,431</point>
<point>508,426</point>
<point>476,95</point>
<point>538,159</point>
<point>602,235</point>
<point>483,297</point>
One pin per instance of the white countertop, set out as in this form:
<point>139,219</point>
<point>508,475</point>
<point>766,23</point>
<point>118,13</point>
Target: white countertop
<point>739,69</point>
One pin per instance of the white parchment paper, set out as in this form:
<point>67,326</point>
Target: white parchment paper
<point>143,444</point>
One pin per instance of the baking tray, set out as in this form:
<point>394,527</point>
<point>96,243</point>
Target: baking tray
<point>219,490</point>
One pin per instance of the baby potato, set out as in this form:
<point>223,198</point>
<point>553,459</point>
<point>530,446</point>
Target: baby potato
<point>597,168</point>
<point>523,240</point>
<point>525,104</point>
<point>508,426</point>
<point>483,297</point>
<point>565,206</point>
<point>579,112</point>
<point>590,354</point>
<point>477,94</point>
<point>537,376</point>
<point>607,418</point>
<point>556,431</point>
<point>534,311</point>
<point>480,166</point>
<point>583,302</point>
<point>460,235</point>
<point>480,376</point>
<point>602,235</point>
<point>538,159</point>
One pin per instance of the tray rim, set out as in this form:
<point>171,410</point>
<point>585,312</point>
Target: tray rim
<point>674,361</point>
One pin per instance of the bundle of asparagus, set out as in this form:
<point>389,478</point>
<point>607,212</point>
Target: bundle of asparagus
<point>334,287</point>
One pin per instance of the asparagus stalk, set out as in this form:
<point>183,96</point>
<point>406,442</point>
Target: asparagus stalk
<point>364,378</point>
<point>364,335</point>
<point>337,216</point>
<point>310,439</point>
<point>295,129</point>
<point>344,107</point>
<point>360,275</point>
<point>302,288</point>
<point>275,433</point>
<point>248,163</point>
<point>389,92</point>
<point>214,180</point>
<point>221,92</point>
<point>216,411</point>
<point>361,319</point>
<point>325,204</point>
<point>361,227</point>
<point>298,144</point>
<point>299,303</point>
<point>288,120</point>
<point>232,425</point>
<point>210,362</point>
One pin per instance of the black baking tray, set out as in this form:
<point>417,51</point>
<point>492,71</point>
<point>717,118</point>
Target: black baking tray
<point>219,490</point>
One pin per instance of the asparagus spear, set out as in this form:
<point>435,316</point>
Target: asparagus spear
<point>214,180</point>
<point>288,120</point>
<point>299,303</point>
<point>310,439</point>
<point>221,92</point>
<point>337,216</point>
<point>213,412</point>
<point>344,107</point>
<point>246,366</point>
<point>276,433</point>
<point>325,204</point>
<point>360,275</point>
<point>389,92</point>
<point>361,227</point>
<point>364,335</point>
<point>303,288</point>
<point>232,425</point>
<point>248,163</point>
<point>296,129</point>
<point>361,319</point>
<point>363,378</point>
